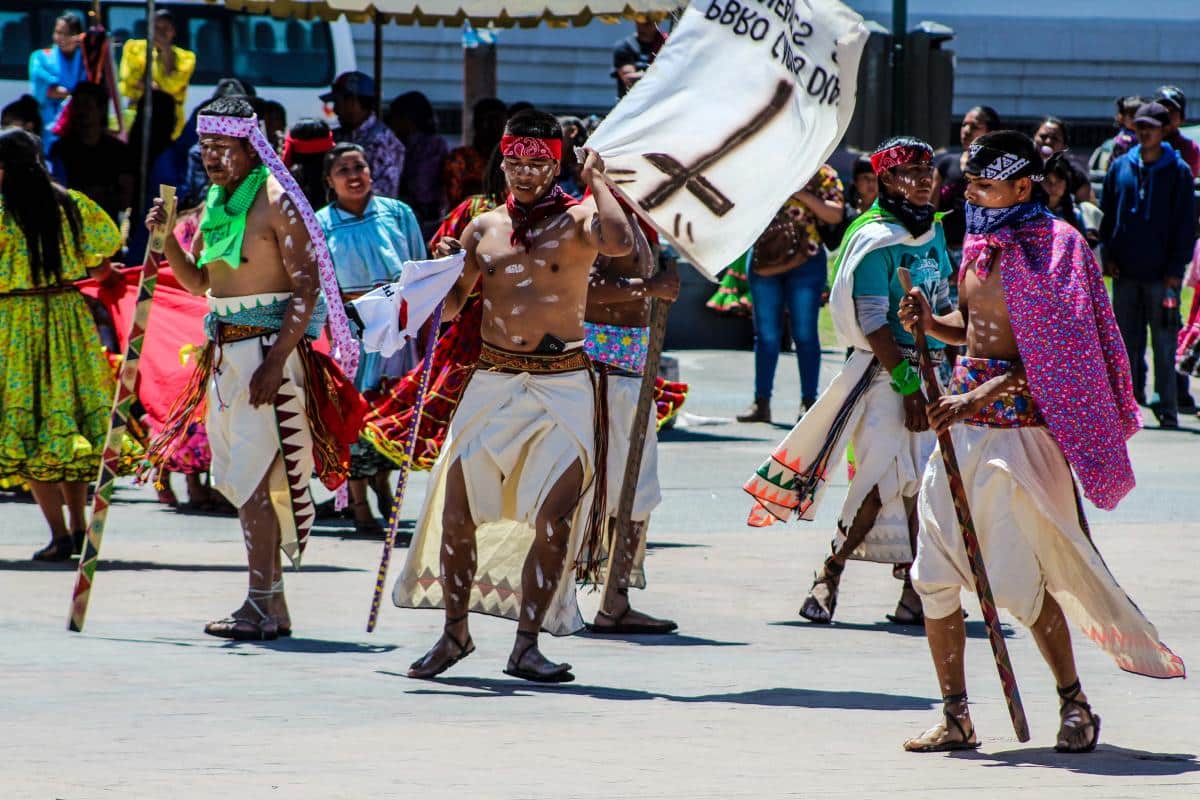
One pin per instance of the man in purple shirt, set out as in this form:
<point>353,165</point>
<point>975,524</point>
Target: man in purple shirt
<point>353,98</point>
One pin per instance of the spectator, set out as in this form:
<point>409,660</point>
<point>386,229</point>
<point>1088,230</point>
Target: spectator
<point>171,71</point>
<point>273,117</point>
<point>634,54</point>
<point>353,98</point>
<point>58,387</point>
<point>1171,98</point>
<point>410,116</point>
<point>89,159</point>
<point>1051,138</point>
<point>304,151</point>
<point>1058,199</point>
<point>796,284</point>
<point>465,166</point>
<point>574,135</point>
<point>1148,232</point>
<point>950,184</point>
<point>24,113</point>
<point>161,165</point>
<point>1126,137</point>
<point>369,239</point>
<point>53,72</point>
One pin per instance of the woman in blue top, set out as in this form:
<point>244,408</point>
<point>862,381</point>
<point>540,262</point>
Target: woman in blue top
<point>53,72</point>
<point>369,240</point>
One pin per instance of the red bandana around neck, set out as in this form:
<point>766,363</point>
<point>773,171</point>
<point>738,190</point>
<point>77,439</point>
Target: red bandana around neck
<point>530,147</point>
<point>524,217</point>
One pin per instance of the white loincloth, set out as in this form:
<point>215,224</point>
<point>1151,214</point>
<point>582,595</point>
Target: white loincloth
<point>1025,509</point>
<point>247,441</point>
<point>623,394</point>
<point>515,436</point>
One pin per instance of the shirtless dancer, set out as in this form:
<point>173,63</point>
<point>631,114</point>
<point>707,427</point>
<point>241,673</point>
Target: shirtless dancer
<point>509,496</point>
<point>617,320</point>
<point>1045,376</point>
<point>256,266</point>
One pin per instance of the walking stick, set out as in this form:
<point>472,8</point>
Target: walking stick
<point>410,453</point>
<point>123,400</point>
<point>623,538</point>
<point>983,588</point>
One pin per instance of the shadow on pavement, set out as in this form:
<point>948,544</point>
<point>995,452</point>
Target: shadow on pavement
<point>292,644</point>
<point>138,566</point>
<point>689,435</point>
<point>663,640</point>
<point>975,630</point>
<point>777,698</point>
<point>1108,760</point>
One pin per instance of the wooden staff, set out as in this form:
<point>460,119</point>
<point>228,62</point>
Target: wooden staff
<point>123,401</point>
<point>410,453</point>
<point>983,588</point>
<point>624,537</point>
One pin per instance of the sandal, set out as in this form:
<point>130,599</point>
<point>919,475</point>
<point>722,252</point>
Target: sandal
<point>911,616</point>
<point>660,626</point>
<point>831,576</point>
<point>245,630</point>
<point>1071,711</point>
<point>61,548</point>
<point>285,630</point>
<point>543,671</point>
<point>421,668</point>
<point>934,740</point>
<point>368,527</point>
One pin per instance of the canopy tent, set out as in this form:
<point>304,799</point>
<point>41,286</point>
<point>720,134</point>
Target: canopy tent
<point>498,13</point>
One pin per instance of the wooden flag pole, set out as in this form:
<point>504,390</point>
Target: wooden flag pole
<point>410,454</point>
<point>123,400</point>
<point>624,538</point>
<point>983,588</point>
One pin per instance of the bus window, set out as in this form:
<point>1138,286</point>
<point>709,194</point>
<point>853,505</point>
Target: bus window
<point>16,44</point>
<point>277,52</point>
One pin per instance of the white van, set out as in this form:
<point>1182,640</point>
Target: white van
<point>291,61</point>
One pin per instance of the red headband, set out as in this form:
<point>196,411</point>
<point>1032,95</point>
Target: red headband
<point>531,147</point>
<point>898,156</point>
<point>306,147</point>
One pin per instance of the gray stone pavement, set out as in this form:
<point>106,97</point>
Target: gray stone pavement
<point>747,702</point>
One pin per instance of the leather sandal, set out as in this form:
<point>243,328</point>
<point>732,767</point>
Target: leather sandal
<point>831,576</point>
<point>423,668</point>
<point>543,671</point>
<point>61,548</point>
<point>1071,710</point>
<point>931,741</point>
<point>246,630</point>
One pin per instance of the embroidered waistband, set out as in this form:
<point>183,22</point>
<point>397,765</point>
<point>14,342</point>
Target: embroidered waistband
<point>618,346</point>
<point>259,311</point>
<point>493,359</point>
<point>1016,409</point>
<point>228,333</point>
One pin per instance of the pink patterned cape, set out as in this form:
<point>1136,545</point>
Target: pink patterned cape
<point>1072,350</point>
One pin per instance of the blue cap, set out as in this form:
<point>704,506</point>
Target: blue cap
<point>353,84</point>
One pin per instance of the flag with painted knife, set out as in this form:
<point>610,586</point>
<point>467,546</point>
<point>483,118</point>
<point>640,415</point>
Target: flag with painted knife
<point>743,104</point>
<point>393,314</point>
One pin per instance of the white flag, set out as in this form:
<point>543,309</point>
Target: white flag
<point>743,104</point>
<point>395,312</point>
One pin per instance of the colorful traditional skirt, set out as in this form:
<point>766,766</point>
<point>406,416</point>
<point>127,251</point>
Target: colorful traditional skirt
<point>733,292</point>
<point>56,388</point>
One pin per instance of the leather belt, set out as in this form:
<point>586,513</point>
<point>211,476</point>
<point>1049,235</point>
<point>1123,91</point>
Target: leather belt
<point>230,332</point>
<point>494,359</point>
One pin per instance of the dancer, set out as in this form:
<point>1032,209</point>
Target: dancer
<point>369,238</point>
<point>617,326</point>
<point>1043,389</point>
<point>509,497</point>
<point>57,387</point>
<point>267,392</point>
<point>875,403</point>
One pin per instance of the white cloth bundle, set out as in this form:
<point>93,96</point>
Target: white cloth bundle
<point>393,314</point>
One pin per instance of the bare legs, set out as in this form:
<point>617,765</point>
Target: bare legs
<point>260,531</point>
<point>615,613</point>
<point>50,498</point>
<point>539,577</point>
<point>947,641</point>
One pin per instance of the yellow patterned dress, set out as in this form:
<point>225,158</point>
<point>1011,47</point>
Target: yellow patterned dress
<point>56,387</point>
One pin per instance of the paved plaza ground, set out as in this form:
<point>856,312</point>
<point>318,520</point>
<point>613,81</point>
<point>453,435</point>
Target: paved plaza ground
<point>748,701</point>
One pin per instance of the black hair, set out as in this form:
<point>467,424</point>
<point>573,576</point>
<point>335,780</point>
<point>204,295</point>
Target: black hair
<point>166,16</point>
<point>488,105</point>
<point>1129,104</point>
<point>862,166</point>
<point>495,185</point>
<point>416,108</point>
<point>340,149</point>
<point>73,21</point>
<point>229,106</point>
<point>162,123</point>
<point>1062,126</point>
<point>581,133</point>
<point>230,87</point>
<point>538,124</point>
<point>308,168</point>
<point>988,116</point>
<point>26,109</point>
<point>309,128</point>
<point>520,106</point>
<point>37,205</point>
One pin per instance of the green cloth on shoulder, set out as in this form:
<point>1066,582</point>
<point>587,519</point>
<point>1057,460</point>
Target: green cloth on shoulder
<point>224,223</point>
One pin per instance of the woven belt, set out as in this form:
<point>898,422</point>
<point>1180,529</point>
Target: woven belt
<point>495,360</point>
<point>230,332</point>
<point>609,369</point>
